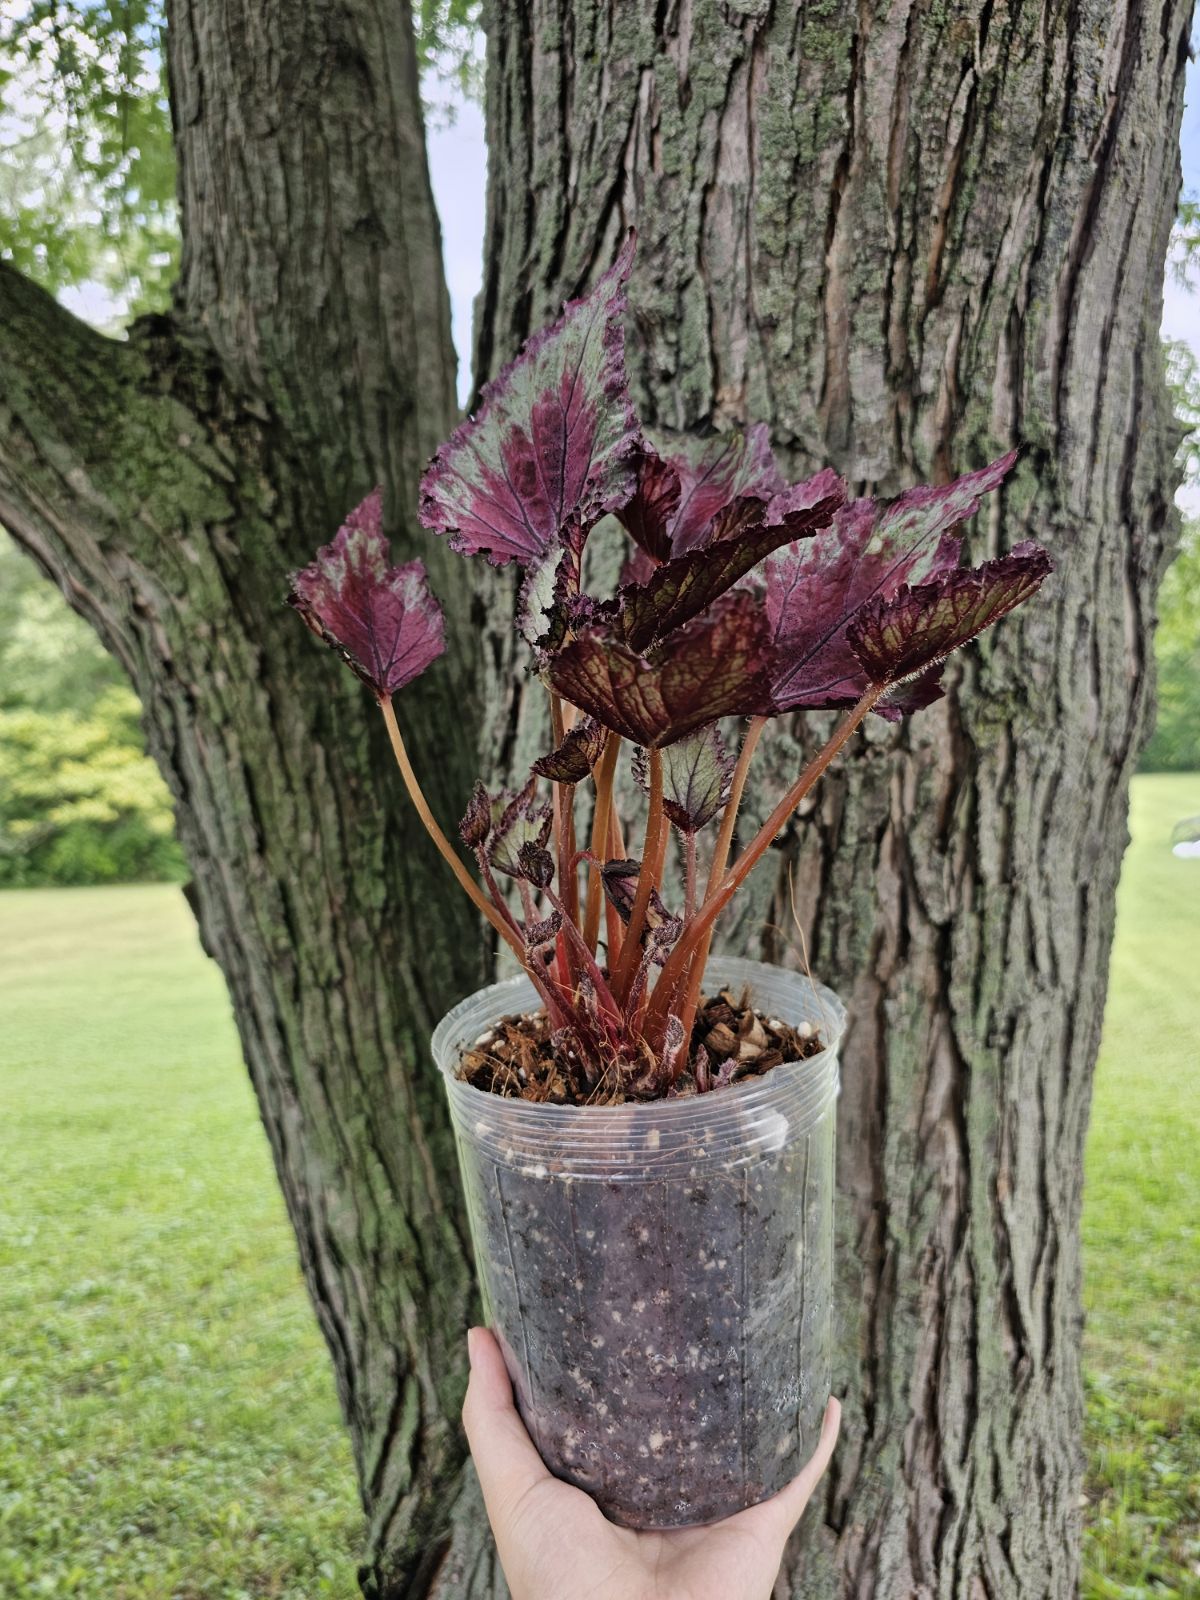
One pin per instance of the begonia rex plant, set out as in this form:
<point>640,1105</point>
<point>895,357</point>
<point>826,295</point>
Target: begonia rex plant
<point>742,597</point>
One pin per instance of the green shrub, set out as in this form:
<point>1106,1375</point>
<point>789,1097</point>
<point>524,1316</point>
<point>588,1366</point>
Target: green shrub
<point>80,801</point>
<point>1175,745</point>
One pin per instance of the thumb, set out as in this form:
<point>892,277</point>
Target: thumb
<point>783,1510</point>
<point>505,1459</point>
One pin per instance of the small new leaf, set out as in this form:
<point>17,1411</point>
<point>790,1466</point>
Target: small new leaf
<point>501,825</point>
<point>620,879</point>
<point>697,773</point>
<point>673,1059</point>
<point>575,757</point>
<point>476,823</point>
<point>381,619</point>
<point>553,438</point>
<point>536,864</point>
<point>540,934</point>
<point>916,629</point>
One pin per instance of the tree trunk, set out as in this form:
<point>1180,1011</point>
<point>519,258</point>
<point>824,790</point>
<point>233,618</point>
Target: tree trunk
<point>910,237</point>
<point>169,484</point>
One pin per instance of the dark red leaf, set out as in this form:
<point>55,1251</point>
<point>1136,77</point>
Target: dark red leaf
<point>683,485</point>
<point>714,667</point>
<point>382,620</point>
<point>869,551</point>
<point>576,755</point>
<point>899,638</point>
<point>552,440</point>
<point>688,584</point>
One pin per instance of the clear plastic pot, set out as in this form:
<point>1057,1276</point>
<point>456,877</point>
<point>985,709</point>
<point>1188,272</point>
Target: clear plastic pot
<point>659,1275</point>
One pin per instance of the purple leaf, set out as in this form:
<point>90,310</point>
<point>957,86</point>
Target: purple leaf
<point>536,864</point>
<point>712,474</point>
<point>687,584</point>
<point>697,773</point>
<point>476,823</point>
<point>553,438</point>
<point>648,515</point>
<point>714,667</point>
<point>540,934</point>
<point>382,620</point>
<point>576,755</point>
<point>899,638</point>
<point>869,551</point>
<point>620,879</point>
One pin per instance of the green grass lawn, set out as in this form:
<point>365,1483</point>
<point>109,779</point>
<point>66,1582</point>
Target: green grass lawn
<point>168,1424</point>
<point>168,1427</point>
<point>1141,1224</point>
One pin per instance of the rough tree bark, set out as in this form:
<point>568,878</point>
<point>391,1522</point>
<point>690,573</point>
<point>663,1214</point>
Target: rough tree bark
<point>169,484</point>
<point>904,236</point>
<point>910,236</point>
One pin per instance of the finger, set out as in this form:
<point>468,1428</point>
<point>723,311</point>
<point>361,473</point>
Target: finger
<point>786,1508</point>
<point>505,1459</point>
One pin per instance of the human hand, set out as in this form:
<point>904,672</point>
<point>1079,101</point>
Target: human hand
<point>554,1541</point>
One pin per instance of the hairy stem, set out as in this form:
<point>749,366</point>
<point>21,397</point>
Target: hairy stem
<point>563,801</point>
<point>447,850</point>
<point>493,888</point>
<point>741,772</point>
<point>689,877</point>
<point>564,820</point>
<point>720,860</point>
<point>605,770</point>
<point>569,931</point>
<point>652,848</point>
<point>717,899</point>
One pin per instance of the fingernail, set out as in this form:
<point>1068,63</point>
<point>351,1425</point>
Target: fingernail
<point>473,1344</point>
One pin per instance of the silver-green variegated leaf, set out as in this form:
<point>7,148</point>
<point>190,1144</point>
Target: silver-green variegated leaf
<point>552,441</point>
<point>697,773</point>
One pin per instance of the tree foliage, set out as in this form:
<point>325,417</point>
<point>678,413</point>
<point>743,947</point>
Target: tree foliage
<point>1175,745</point>
<point>87,168</point>
<point>80,800</point>
<point>87,164</point>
